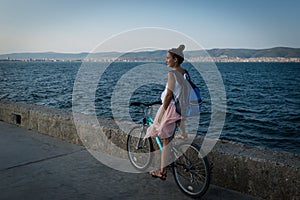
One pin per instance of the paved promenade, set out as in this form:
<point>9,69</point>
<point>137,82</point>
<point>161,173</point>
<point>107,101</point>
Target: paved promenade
<point>35,166</point>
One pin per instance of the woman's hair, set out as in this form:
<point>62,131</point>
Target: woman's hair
<point>178,53</point>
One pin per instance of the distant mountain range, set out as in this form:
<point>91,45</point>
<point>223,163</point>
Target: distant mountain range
<point>284,52</point>
<point>159,55</point>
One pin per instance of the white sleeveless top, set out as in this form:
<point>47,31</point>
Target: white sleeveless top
<point>176,92</point>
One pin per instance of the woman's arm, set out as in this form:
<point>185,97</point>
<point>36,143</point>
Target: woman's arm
<point>170,89</point>
<point>169,95</point>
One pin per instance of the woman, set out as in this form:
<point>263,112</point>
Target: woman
<point>167,117</point>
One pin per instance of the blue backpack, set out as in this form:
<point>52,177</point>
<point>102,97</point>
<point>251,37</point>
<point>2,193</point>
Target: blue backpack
<point>193,102</point>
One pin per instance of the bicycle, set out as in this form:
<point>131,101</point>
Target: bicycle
<point>191,170</point>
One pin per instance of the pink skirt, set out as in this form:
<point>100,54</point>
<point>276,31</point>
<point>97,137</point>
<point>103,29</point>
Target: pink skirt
<point>166,127</point>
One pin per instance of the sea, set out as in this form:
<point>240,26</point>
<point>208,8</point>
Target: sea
<point>262,99</point>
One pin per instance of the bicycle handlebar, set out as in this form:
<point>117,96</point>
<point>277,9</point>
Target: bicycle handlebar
<point>145,104</point>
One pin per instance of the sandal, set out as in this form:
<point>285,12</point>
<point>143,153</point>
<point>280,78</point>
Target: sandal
<point>161,175</point>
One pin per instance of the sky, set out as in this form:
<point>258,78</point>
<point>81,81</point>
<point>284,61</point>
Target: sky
<point>73,26</point>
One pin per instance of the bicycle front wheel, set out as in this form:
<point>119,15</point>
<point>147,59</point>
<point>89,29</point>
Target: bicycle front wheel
<point>191,170</point>
<point>139,149</point>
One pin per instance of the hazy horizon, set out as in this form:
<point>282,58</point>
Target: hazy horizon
<point>82,52</point>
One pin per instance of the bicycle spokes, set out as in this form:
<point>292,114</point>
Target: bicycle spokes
<point>139,149</point>
<point>191,171</point>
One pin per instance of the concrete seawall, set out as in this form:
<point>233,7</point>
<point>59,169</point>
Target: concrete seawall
<point>256,171</point>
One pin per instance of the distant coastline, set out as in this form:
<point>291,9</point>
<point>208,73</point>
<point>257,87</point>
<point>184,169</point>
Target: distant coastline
<point>277,54</point>
<point>216,59</point>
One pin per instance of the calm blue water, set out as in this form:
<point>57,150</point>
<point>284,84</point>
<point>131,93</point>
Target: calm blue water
<point>263,99</point>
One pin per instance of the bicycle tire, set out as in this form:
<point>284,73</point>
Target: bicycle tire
<point>191,171</point>
<point>140,158</point>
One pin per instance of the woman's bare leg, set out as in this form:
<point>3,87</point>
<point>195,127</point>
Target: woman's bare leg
<point>164,159</point>
<point>165,155</point>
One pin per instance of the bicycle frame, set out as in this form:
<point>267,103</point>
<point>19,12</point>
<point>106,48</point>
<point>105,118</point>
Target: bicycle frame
<point>147,120</point>
<point>192,175</point>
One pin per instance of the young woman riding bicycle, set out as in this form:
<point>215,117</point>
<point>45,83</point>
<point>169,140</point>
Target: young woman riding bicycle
<point>167,117</point>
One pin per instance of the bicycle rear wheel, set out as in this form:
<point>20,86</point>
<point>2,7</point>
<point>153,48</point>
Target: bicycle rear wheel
<point>138,149</point>
<point>191,170</point>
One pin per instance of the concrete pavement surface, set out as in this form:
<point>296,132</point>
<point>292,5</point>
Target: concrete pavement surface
<point>35,166</point>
